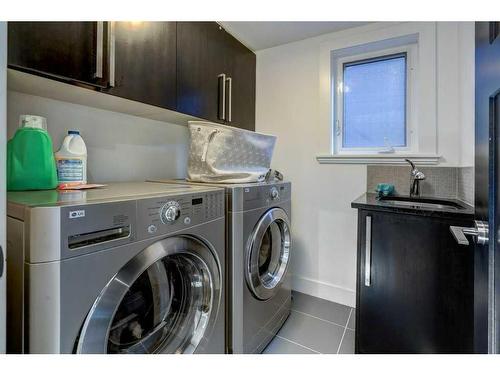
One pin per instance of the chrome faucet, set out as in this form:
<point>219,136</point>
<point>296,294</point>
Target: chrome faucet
<point>415,178</point>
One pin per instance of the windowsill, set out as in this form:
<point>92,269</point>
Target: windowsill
<point>420,159</point>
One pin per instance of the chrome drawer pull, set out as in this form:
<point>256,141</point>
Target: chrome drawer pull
<point>368,251</point>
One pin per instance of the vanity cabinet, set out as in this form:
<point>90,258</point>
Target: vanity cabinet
<point>215,75</point>
<point>414,284</point>
<point>195,68</point>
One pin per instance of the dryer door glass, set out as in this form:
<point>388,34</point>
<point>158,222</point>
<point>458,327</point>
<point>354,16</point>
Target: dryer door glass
<point>268,253</point>
<point>162,301</point>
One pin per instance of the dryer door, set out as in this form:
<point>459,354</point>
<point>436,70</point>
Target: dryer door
<point>268,253</point>
<point>165,300</point>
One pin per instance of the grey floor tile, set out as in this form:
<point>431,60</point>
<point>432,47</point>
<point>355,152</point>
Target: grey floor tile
<point>352,320</point>
<point>347,346</point>
<point>321,308</point>
<point>312,333</point>
<point>282,346</point>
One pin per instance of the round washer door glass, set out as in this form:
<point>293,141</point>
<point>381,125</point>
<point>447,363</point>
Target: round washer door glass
<point>159,302</point>
<point>268,253</point>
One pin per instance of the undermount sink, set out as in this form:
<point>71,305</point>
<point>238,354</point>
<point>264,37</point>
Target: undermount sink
<point>418,202</point>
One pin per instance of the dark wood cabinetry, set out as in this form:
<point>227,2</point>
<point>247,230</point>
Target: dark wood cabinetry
<point>242,73</point>
<point>414,285</point>
<point>215,75</point>
<point>67,51</point>
<point>144,62</point>
<point>195,68</point>
<point>201,59</point>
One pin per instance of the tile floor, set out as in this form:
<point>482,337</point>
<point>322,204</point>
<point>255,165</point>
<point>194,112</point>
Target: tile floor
<point>315,326</point>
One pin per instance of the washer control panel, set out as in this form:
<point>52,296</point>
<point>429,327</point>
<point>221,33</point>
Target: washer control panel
<point>163,215</point>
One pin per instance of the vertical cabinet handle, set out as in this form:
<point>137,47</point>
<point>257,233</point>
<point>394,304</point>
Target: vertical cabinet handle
<point>1,261</point>
<point>110,28</point>
<point>368,251</point>
<point>229,100</point>
<point>99,50</point>
<point>222,96</point>
<point>111,49</point>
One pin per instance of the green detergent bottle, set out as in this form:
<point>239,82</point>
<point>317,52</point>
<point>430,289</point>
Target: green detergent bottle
<point>30,158</point>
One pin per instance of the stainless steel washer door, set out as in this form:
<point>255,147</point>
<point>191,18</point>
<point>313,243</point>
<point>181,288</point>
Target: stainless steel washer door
<point>268,253</point>
<point>164,300</point>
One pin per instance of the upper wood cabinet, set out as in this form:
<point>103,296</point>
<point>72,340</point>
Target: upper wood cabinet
<point>200,60</point>
<point>215,75</point>
<point>143,62</point>
<point>241,71</point>
<point>195,68</point>
<point>68,51</point>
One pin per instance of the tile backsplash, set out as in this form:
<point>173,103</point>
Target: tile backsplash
<point>445,182</point>
<point>465,184</point>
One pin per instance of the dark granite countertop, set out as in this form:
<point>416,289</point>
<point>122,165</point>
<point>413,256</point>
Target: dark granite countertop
<point>370,201</point>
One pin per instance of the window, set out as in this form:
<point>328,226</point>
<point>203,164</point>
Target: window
<point>374,103</point>
<point>378,95</point>
<point>371,104</point>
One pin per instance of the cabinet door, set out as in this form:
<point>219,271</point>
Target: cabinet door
<point>416,293</point>
<point>215,75</point>
<point>241,71</point>
<point>144,62</point>
<point>68,51</point>
<point>201,58</point>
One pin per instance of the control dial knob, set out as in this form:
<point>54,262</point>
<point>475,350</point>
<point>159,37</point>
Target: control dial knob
<point>170,212</point>
<point>275,194</point>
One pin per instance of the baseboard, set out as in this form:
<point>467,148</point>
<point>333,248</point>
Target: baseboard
<point>324,290</point>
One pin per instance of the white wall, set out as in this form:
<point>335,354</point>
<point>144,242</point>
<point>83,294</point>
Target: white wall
<point>324,225</point>
<point>120,147</point>
<point>455,45</point>
<point>466,38</point>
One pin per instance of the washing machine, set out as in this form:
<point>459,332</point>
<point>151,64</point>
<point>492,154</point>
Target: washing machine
<point>128,268</point>
<point>258,249</point>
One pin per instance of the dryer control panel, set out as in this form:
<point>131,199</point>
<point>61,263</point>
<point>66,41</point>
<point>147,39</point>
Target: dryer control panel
<point>265,195</point>
<point>164,215</point>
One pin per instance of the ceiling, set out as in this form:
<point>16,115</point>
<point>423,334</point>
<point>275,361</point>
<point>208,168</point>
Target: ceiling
<point>261,35</point>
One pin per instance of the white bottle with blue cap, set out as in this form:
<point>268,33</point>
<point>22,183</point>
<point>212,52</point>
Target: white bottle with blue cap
<point>71,160</point>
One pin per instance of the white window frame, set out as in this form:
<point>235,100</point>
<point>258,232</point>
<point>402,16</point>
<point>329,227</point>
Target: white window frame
<point>338,105</point>
<point>378,37</point>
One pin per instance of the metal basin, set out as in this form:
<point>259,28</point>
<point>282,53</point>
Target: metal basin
<point>417,202</point>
